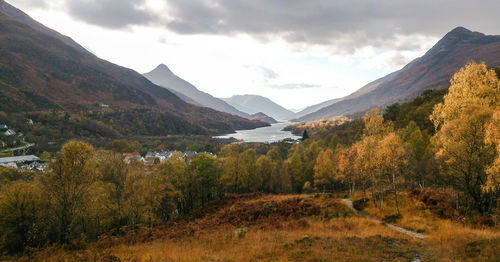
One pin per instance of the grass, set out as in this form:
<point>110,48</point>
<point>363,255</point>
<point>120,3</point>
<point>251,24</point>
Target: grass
<point>326,230</point>
<point>452,240</point>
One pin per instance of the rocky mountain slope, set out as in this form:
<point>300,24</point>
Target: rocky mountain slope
<point>42,70</point>
<point>431,71</point>
<point>163,77</point>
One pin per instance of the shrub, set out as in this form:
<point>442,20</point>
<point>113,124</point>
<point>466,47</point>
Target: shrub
<point>360,204</point>
<point>241,232</point>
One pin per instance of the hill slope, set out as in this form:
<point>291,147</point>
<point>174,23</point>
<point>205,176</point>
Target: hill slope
<point>263,117</point>
<point>41,70</point>
<point>252,104</point>
<point>431,71</point>
<point>162,76</point>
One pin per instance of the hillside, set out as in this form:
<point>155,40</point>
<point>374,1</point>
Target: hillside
<point>431,71</point>
<point>289,228</point>
<point>41,70</point>
<point>163,77</point>
<point>263,117</point>
<point>252,104</point>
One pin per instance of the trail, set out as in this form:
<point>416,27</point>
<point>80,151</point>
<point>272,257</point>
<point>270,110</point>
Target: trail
<point>348,202</point>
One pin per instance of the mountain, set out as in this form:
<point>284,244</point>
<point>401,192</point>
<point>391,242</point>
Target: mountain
<point>252,104</point>
<point>314,108</point>
<point>49,77</point>
<point>263,117</point>
<point>163,77</point>
<point>431,71</point>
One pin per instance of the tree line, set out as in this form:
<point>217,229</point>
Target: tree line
<point>87,192</point>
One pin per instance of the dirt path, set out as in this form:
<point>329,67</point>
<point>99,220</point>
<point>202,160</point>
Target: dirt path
<point>348,202</point>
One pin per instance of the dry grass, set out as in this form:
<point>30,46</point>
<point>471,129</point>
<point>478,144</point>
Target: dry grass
<point>452,240</point>
<point>343,239</point>
<point>331,233</point>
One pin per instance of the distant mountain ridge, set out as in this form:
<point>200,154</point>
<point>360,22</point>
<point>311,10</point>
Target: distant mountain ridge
<point>42,70</point>
<point>263,117</point>
<point>431,71</point>
<point>252,104</point>
<point>164,77</point>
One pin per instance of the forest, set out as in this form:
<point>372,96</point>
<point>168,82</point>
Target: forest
<point>443,141</point>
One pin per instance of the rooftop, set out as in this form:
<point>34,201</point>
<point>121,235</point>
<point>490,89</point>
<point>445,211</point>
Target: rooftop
<point>18,159</point>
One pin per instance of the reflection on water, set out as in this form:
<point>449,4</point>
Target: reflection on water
<point>266,134</point>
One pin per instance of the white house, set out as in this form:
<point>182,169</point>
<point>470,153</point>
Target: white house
<point>9,132</point>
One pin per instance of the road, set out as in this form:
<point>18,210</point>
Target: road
<point>28,145</point>
<point>407,232</point>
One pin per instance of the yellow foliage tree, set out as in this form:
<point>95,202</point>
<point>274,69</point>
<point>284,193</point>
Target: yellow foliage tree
<point>324,169</point>
<point>466,132</point>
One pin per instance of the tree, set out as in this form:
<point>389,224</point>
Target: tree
<point>375,130</point>
<point>305,135</point>
<point>112,171</point>
<point>463,139</point>
<point>66,185</point>
<point>418,143</point>
<point>346,166</point>
<point>248,181</point>
<point>465,155</point>
<point>391,159</point>
<point>324,169</point>
<point>205,171</point>
<point>493,137</point>
<point>21,222</point>
<point>265,167</point>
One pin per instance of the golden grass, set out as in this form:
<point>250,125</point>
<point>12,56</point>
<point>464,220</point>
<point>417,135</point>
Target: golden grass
<point>267,245</point>
<point>315,238</point>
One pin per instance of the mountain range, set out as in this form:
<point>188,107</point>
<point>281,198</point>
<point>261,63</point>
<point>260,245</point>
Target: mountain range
<point>42,70</point>
<point>163,77</point>
<point>252,104</point>
<point>431,71</point>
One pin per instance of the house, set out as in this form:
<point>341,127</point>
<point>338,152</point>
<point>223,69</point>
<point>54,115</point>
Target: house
<point>3,127</point>
<point>9,132</point>
<point>189,154</point>
<point>104,105</point>
<point>30,122</point>
<point>152,156</point>
<point>18,161</point>
<point>166,154</point>
<point>129,157</point>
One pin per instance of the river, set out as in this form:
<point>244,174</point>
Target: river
<point>268,134</point>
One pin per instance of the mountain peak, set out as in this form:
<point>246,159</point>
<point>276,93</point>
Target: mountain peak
<point>162,67</point>
<point>460,30</point>
<point>462,33</point>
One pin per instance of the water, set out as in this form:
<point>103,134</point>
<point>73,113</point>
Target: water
<point>268,134</point>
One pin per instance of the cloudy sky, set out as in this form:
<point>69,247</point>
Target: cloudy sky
<point>296,52</point>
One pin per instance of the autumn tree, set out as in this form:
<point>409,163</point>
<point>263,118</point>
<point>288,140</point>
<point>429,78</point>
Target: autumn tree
<point>205,172</point>
<point>346,166</point>
<point>112,172</point>
<point>418,143</point>
<point>21,222</point>
<point>265,167</point>
<point>375,130</point>
<point>324,169</point>
<point>66,185</point>
<point>462,121</point>
<point>391,159</point>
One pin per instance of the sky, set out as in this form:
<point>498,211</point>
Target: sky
<point>295,52</point>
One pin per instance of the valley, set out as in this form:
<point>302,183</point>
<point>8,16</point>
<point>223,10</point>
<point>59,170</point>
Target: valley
<point>394,156</point>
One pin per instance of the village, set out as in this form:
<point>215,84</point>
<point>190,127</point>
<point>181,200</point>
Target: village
<point>13,153</point>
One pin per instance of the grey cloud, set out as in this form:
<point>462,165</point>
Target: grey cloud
<point>111,13</point>
<point>293,86</point>
<point>29,4</point>
<point>343,24</point>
